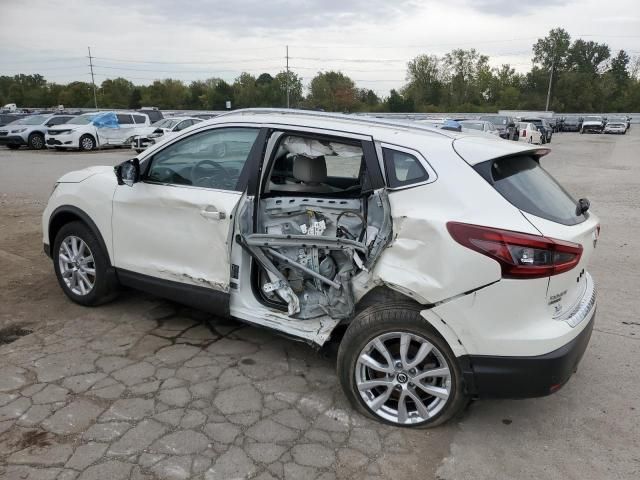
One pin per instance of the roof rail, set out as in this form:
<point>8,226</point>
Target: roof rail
<point>409,125</point>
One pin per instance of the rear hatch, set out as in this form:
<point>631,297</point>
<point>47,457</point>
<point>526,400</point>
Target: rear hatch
<point>553,211</point>
<point>519,178</point>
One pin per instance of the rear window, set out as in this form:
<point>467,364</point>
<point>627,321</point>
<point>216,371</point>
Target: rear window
<point>403,169</point>
<point>528,186</point>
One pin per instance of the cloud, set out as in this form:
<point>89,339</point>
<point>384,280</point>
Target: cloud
<point>275,14</point>
<point>509,8</point>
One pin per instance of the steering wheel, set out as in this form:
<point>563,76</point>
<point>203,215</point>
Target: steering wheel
<point>202,178</point>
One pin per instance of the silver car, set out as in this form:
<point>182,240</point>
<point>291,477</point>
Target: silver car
<point>30,131</point>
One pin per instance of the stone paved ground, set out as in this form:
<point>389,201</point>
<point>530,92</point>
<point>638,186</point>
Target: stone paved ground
<point>161,392</point>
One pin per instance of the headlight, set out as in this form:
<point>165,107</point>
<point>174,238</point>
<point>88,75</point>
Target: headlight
<point>20,130</point>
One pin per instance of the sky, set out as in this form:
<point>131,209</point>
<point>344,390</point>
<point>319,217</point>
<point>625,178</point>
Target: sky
<point>369,40</point>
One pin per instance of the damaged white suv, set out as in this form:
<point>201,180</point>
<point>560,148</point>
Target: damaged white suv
<point>451,266</point>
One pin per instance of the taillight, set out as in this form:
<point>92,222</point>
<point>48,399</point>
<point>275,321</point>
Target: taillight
<point>520,255</point>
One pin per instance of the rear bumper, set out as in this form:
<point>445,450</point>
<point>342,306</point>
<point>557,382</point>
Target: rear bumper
<point>12,140</point>
<point>523,377</point>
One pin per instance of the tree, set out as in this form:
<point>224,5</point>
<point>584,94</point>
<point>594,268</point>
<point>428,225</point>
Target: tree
<point>586,57</point>
<point>426,78</point>
<point>332,91</point>
<point>135,99</point>
<point>396,102</point>
<point>552,50</point>
<point>470,76</point>
<point>115,93</point>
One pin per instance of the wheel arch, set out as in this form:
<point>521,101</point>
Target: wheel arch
<point>65,214</point>
<point>384,294</point>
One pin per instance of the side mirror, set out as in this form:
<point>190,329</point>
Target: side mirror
<point>128,172</point>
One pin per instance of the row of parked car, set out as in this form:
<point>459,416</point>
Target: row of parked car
<point>596,124</point>
<point>94,130</point>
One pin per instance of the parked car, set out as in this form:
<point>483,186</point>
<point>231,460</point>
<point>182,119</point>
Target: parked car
<point>616,125</point>
<point>592,124</point>
<point>161,130</point>
<point>505,124</point>
<point>205,116</point>
<point>481,126</point>
<point>571,124</point>
<point>97,130</point>
<point>628,123</point>
<point>543,127</point>
<point>315,224</point>
<point>30,131</point>
<point>529,133</point>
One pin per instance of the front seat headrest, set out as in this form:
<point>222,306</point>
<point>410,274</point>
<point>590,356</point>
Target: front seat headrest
<point>309,169</point>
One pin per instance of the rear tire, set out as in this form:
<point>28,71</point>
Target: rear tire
<point>87,143</point>
<point>84,273</point>
<point>36,141</point>
<point>440,395</point>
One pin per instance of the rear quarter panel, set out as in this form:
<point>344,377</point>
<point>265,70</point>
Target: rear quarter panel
<point>422,259</point>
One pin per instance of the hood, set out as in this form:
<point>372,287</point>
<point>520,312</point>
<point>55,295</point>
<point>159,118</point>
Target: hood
<point>592,122</point>
<point>78,176</point>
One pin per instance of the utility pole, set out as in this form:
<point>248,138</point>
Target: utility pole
<point>288,76</point>
<point>93,80</point>
<point>553,66</point>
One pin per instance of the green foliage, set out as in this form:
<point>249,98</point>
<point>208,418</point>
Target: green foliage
<point>586,78</point>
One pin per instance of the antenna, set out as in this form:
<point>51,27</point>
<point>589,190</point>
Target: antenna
<point>93,81</point>
<point>287,76</point>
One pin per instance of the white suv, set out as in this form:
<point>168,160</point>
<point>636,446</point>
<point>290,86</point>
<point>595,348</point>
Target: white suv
<point>95,130</point>
<point>451,265</point>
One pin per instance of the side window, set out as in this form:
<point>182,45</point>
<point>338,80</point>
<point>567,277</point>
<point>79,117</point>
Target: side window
<point>124,119</point>
<point>182,125</point>
<point>139,118</point>
<point>211,159</point>
<point>403,169</point>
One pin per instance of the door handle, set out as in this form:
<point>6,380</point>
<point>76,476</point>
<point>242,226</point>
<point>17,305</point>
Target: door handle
<point>211,213</point>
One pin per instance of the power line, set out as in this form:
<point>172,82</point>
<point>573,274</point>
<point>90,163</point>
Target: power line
<point>93,81</point>
<point>212,62</point>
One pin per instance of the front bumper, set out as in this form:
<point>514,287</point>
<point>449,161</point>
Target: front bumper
<point>524,377</point>
<point>592,128</point>
<point>12,140</point>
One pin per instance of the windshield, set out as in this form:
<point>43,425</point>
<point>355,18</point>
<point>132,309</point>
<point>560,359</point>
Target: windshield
<point>83,119</point>
<point>617,120</point>
<point>32,120</point>
<point>166,123</point>
<point>473,125</point>
<point>528,186</point>
<point>592,119</point>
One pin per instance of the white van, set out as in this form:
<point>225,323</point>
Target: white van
<point>97,130</point>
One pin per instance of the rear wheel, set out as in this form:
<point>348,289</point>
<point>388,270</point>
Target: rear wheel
<point>87,143</point>
<point>36,141</point>
<point>81,266</point>
<point>394,367</point>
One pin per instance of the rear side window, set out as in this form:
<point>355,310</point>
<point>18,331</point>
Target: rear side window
<point>528,186</point>
<point>124,119</point>
<point>403,169</point>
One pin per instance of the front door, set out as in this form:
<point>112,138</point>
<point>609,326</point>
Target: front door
<point>173,227</point>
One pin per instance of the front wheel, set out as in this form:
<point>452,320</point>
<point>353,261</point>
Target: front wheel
<point>36,141</point>
<point>82,267</point>
<point>394,367</point>
<point>530,140</point>
<point>87,143</point>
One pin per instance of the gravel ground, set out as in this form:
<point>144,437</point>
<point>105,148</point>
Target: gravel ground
<point>145,389</point>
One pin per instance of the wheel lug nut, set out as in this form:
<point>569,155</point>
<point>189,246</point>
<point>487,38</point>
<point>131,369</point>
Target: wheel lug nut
<point>412,371</point>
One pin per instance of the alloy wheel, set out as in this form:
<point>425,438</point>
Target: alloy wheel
<point>403,378</point>
<point>77,266</point>
<point>87,143</point>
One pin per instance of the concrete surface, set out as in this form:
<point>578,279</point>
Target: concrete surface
<point>145,389</point>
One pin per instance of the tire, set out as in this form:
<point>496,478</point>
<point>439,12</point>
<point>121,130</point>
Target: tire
<point>581,131</point>
<point>36,141</point>
<point>13,147</point>
<point>87,143</point>
<point>530,140</point>
<point>388,324</point>
<point>104,286</point>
